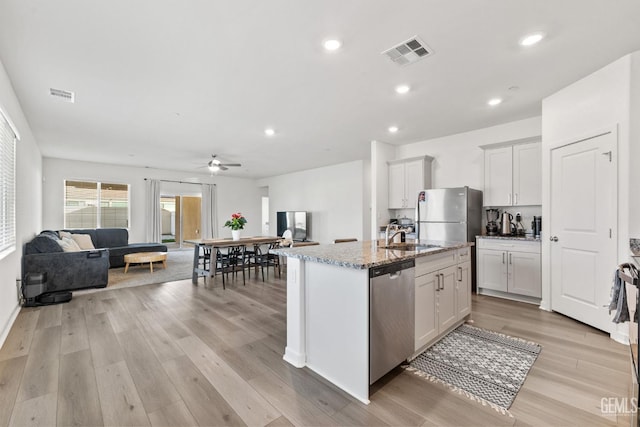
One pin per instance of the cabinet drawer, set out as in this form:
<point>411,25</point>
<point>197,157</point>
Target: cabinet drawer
<point>464,255</point>
<point>509,245</point>
<point>430,263</point>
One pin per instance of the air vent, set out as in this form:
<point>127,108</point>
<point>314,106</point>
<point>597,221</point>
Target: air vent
<point>64,95</point>
<point>408,52</point>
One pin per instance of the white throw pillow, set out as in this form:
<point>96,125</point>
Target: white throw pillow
<point>64,234</point>
<point>68,245</point>
<point>83,241</point>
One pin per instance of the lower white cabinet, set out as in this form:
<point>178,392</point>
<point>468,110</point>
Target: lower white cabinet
<point>443,294</point>
<point>509,266</point>
<point>463,289</point>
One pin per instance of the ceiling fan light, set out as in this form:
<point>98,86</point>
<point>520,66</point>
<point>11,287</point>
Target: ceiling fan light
<point>213,167</point>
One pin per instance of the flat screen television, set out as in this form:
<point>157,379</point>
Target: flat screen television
<point>296,221</point>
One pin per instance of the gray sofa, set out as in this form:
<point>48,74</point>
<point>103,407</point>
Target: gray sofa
<point>49,273</point>
<point>117,241</point>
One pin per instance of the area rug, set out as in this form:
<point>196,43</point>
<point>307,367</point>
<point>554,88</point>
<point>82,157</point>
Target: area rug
<point>179,267</point>
<point>486,366</point>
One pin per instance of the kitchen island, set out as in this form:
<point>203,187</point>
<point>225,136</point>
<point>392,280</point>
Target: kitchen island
<point>328,303</point>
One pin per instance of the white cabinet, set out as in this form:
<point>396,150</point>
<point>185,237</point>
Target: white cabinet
<point>463,287</point>
<point>406,178</point>
<point>509,268</point>
<point>513,175</point>
<point>443,294</point>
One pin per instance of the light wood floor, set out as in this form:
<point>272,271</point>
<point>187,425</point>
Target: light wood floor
<point>178,354</point>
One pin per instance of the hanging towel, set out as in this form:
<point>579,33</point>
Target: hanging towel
<point>619,300</point>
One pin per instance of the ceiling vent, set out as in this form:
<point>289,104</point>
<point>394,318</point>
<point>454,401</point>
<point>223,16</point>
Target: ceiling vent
<point>64,95</point>
<point>408,52</point>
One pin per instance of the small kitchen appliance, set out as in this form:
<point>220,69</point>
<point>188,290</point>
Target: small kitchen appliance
<point>508,227</point>
<point>536,225</point>
<point>519,226</point>
<point>492,222</point>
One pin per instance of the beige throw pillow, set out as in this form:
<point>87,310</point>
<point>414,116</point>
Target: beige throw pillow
<point>64,234</point>
<point>68,245</point>
<point>83,241</point>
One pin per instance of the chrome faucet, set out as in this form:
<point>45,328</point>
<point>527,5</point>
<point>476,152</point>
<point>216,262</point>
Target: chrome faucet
<point>387,238</point>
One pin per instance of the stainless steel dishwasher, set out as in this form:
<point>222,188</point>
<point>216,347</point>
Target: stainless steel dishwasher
<point>391,316</point>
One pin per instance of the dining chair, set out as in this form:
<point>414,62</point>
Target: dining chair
<point>272,260</point>
<point>236,262</point>
<point>254,259</point>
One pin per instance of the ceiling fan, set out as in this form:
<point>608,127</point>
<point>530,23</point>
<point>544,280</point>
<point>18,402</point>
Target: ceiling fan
<point>216,165</point>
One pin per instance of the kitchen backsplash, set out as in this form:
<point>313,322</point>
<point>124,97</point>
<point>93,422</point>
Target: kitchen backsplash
<point>527,212</point>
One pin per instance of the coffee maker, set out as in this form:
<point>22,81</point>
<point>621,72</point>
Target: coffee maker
<point>492,222</point>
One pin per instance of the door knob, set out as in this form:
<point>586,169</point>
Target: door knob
<point>553,238</point>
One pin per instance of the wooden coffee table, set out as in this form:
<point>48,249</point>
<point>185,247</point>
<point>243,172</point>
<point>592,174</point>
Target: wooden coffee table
<point>144,257</point>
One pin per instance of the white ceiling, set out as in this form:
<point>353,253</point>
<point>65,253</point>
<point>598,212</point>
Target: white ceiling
<point>167,83</point>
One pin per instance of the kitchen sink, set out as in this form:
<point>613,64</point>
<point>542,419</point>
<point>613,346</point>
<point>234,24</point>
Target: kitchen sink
<point>407,246</point>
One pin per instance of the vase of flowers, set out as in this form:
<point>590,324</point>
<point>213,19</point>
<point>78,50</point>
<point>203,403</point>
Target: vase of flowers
<point>236,223</point>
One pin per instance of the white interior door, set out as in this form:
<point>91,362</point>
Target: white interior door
<point>583,228</point>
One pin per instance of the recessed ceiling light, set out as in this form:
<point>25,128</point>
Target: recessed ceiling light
<point>531,39</point>
<point>332,44</point>
<point>393,129</point>
<point>402,89</point>
<point>269,132</point>
<point>495,101</point>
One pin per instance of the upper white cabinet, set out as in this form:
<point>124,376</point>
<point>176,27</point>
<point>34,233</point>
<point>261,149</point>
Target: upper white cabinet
<point>513,175</point>
<point>406,178</point>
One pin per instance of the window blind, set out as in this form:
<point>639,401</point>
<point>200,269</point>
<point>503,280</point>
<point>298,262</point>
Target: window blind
<point>7,186</point>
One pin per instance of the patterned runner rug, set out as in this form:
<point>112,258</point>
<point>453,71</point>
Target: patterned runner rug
<point>483,365</point>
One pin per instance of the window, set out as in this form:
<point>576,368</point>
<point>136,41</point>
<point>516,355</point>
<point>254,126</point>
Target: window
<point>8,139</point>
<point>95,205</point>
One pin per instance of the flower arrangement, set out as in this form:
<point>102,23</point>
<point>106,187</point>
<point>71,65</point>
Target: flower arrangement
<point>236,222</point>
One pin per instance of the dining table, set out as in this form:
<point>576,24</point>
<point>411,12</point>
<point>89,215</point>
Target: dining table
<point>215,244</point>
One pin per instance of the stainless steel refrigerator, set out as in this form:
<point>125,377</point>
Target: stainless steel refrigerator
<point>450,214</point>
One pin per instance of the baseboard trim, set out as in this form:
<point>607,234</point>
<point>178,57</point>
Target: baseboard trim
<point>620,337</point>
<point>294,358</point>
<point>9,324</point>
<point>506,295</point>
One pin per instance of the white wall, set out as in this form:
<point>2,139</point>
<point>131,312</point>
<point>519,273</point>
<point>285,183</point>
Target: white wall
<point>459,160</point>
<point>381,153</point>
<point>596,102</point>
<point>234,194</point>
<point>634,149</point>
<point>28,203</point>
<point>333,195</point>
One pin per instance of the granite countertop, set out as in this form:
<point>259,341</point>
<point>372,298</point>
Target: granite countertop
<point>520,238</point>
<point>363,255</point>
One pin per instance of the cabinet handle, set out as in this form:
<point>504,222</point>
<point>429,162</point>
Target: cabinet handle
<point>515,198</point>
<point>510,259</point>
<point>503,257</point>
<point>460,271</point>
<point>437,282</point>
<point>442,281</point>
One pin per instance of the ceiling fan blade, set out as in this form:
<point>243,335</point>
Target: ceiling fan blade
<point>222,168</point>
<point>230,164</point>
